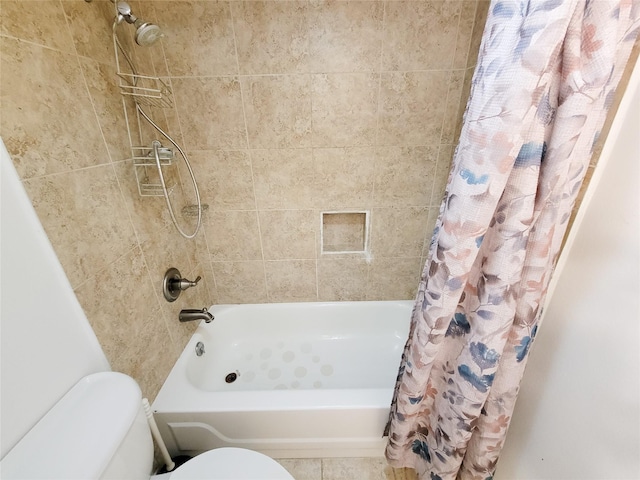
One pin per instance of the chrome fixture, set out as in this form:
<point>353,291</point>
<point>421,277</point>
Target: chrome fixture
<point>146,32</point>
<point>173,284</point>
<point>199,349</point>
<point>189,314</point>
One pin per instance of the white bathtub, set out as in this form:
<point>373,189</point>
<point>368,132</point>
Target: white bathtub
<point>312,379</point>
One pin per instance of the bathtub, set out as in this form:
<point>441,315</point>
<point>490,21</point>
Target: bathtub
<point>296,380</point>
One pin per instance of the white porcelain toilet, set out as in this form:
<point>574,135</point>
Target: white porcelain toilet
<point>99,430</point>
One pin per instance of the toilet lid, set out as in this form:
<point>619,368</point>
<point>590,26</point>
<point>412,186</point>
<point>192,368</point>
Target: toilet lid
<point>231,464</point>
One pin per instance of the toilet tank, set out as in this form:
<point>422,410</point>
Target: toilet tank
<point>97,430</point>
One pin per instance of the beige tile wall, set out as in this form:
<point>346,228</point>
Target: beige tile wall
<point>63,123</point>
<point>292,108</point>
<point>286,109</point>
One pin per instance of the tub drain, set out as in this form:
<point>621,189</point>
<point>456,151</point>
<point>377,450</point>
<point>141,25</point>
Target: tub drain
<point>231,377</point>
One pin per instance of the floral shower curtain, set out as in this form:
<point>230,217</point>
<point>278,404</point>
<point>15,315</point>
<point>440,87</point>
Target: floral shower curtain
<point>546,76</point>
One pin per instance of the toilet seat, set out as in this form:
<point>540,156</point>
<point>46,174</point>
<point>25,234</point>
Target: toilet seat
<point>231,464</point>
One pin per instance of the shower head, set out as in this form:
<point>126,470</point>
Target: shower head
<point>146,32</point>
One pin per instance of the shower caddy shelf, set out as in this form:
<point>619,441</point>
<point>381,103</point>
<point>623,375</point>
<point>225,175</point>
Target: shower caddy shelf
<point>145,90</point>
<point>152,92</point>
<point>144,157</point>
<point>148,91</point>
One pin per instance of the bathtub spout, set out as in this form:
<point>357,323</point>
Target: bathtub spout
<point>189,314</point>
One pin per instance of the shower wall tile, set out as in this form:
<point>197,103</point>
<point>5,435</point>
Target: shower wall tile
<point>291,280</point>
<point>146,213</point>
<point>465,32</point>
<point>271,37</point>
<point>398,232</point>
<point>286,109</point>
<point>283,178</point>
<point>452,112</point>
<point>278,110</point>
<point>464,97</point>
<point>412,107</point>
<point>143,133</point>
<point>328,178</point>
<point>43,23</point>
<point>150,359</point>
<point>233,235</point>
<point>39,118</point>
<point>478,28</point>
<point>133,332</point>
<point>404,175</point>
<point>224,178</point>
<point>240,282</point>
<point>171,118</point>
<point>164,250</point>
<point>91,28</point>
<point>210,112</point>
<point>209,293</point>
<point>342,279</point>
<point>345,36</point>
<point>344,109</point>
<point>107,103</point>
<point>76,210</point>
<point>289,234</point>
<point>179,332</point>
<point>429,230</point>
<point>393,278</point>
<point>98,294</point>
<point>410,40</point>
<point>199,38</point>
<point>441,175</point>
<point>343,177</point>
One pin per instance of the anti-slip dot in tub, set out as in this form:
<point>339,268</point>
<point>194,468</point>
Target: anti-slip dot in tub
<point>282,364</point>
<point>265,353</point>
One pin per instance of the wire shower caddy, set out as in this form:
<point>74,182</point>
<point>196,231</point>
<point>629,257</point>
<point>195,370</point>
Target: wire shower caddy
<point>149,91</point>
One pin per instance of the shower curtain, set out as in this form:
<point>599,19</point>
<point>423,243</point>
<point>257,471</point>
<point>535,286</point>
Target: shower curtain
<point>545,78</point>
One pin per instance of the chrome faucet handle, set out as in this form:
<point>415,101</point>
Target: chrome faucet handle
<point>184,283</point>
<point>173,284</point>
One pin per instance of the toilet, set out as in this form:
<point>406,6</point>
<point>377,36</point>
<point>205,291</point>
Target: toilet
<point>99,430</point>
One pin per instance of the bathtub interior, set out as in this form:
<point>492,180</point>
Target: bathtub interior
<point>267,347</point>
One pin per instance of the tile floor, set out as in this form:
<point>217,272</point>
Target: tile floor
<point>345,469</point>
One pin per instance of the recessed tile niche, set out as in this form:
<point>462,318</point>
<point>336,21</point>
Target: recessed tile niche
<point>345,232</point>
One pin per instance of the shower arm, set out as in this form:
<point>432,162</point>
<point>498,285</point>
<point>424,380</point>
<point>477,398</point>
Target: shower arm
<point>124,13</point>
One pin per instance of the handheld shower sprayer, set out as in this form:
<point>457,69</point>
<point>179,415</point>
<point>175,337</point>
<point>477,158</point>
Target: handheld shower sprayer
<point>147,33</point>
